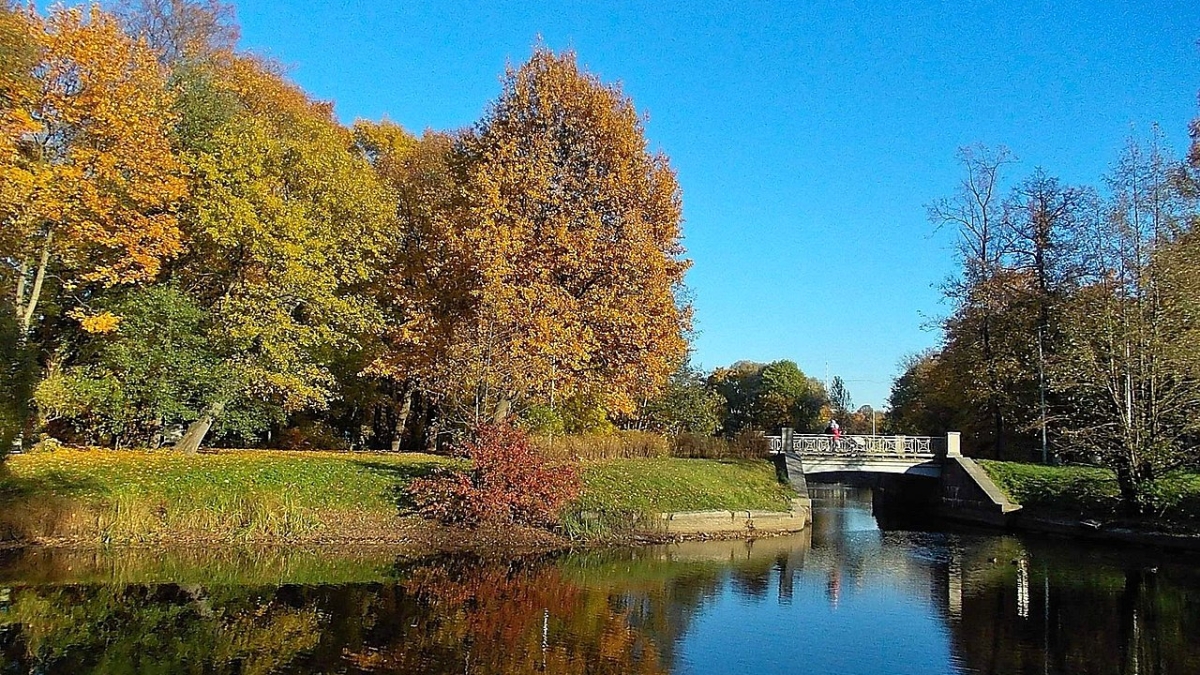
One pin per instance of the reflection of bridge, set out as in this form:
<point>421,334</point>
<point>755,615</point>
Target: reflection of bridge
<point>960,483</point>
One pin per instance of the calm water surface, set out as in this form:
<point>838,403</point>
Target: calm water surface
<point>846,598</point>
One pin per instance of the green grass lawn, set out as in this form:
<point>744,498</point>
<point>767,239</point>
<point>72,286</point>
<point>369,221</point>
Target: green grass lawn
<point>131,496</point>
<point>672,484</point>
<point>315,480</point>
<point>1092,492</point>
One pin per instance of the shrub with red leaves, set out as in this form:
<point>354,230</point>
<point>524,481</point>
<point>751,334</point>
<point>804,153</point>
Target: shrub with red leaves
<point>508,481</point>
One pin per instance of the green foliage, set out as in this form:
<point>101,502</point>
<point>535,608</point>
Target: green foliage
<point>766,397</point>
<point>542,420</point>
<point>687,405</point>
<point>839,395</point>
<point>202,106</point>
<point>922,403</point>
<point>18,373</point>
<point>157,369</point>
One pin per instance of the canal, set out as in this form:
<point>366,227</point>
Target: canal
<point>847,597</point>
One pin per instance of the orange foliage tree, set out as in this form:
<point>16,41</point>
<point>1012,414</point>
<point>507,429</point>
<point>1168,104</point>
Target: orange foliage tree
<point>427,287</point>
<point>93,185</point>
<point>563,231</point>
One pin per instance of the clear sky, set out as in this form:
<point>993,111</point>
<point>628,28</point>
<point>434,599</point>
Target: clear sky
<point>807,135</point>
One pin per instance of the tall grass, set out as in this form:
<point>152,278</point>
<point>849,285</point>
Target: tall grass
<point>615,445</point>
<point>648,445</point>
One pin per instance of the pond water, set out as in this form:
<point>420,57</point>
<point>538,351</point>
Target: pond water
<point>847,597</point>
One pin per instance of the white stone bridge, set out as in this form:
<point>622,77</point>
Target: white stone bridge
<point>914,455</point>
<point>963,487</point>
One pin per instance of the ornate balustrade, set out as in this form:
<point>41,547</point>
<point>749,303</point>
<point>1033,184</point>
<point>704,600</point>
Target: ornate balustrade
<point>864,447</point>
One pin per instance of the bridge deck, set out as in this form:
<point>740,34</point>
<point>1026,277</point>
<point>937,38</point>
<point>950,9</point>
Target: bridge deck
<point>864,447</point>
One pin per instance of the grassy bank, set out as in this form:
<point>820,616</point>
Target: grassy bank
<point>247,496</point>
<point>621,494</point>
<point>1091,492</point>
<point>140,496</point>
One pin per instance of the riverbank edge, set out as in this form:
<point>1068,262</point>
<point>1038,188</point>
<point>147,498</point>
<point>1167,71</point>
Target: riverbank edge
<point>1058,525</point>
<point>419,536</point>
<point>1037,521</point>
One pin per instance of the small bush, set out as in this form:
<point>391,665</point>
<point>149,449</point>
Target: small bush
<point>509,480</point>
<point>47,444</point>
<point>615,445</point>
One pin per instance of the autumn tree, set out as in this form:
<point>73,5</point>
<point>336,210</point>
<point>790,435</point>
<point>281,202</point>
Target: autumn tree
<point>93,186</point>
<point>1130,367</point>
<point>574,229</point>
<point>427,288</point>
<point>974,213</point>
<point>924,399</point>
<point>285,226</point>
<point>18,59</point>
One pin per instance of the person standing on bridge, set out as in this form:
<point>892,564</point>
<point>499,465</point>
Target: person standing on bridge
<point>834,429</point>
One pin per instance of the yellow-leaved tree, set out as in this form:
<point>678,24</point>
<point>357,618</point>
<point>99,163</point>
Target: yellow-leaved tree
<point>285,229</point>
<point>91,182</point>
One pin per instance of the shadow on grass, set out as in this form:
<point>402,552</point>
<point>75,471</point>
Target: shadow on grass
<point>15,489</point>
<point>404,474</point>
<point>34,504</point>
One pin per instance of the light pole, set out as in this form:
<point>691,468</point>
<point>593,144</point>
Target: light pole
<point>872,409</point>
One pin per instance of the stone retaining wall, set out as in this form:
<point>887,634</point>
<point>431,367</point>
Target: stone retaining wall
<point>747,522</point>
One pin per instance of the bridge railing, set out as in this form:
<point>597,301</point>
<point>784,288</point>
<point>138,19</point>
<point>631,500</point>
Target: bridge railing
<point>865,447</point>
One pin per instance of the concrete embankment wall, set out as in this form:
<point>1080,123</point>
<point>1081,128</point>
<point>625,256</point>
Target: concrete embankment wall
<point>797,518</point>
<point>968,494</point>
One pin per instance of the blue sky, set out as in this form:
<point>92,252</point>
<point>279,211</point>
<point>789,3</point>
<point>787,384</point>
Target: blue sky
<point>807,135</point>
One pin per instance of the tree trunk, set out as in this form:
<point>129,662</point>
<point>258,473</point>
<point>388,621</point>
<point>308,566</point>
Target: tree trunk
<point>402,413</point>
<point>36,292</point>
<point>190,443</point>
<point>1130,481</point>
<point>503,408</point>
<point>22,274</point>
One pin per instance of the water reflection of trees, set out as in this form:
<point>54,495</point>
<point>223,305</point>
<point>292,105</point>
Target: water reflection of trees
<point>616,612</point>
<point>1078,612</point>
<point>497,617</point>
<point>168,629</point>
<point>1055,610</point>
